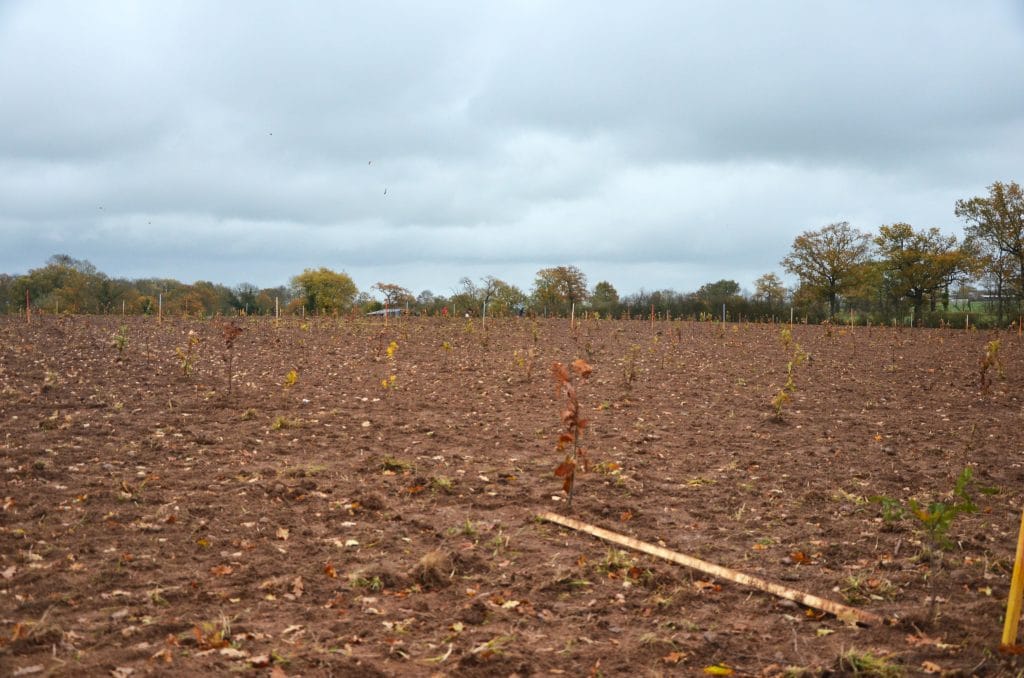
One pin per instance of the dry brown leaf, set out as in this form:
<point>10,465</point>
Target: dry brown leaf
<point>283,533</point>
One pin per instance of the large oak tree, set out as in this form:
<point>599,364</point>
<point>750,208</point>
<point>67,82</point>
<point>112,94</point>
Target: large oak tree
<point>829,261</point>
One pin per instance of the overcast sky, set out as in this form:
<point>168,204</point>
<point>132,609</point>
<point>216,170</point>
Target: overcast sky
<point>652,144</point>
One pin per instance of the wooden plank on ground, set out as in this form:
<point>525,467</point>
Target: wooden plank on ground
<point>841,611</point>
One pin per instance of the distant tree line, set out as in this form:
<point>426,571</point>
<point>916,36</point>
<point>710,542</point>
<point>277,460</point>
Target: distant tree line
<point>899,274</point>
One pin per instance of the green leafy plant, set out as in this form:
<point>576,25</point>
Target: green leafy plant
<point>120,340</point>
<point>937,517</point>
<point>797,357</point>
<point>572,424</point>
<point>934,521</point>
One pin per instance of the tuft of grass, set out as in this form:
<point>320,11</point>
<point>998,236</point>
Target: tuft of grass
<point>858,663</point>
<point>395,465</point>
<point>281,423</point>
<point>442,484</point>
<point>374,583</point>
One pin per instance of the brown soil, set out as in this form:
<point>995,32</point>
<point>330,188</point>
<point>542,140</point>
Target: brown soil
<point>153,524</point>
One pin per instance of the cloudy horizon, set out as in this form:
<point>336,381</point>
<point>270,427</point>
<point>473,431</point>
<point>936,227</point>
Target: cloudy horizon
<point>655,145</point>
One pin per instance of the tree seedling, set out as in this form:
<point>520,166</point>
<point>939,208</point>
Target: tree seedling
<point>187,355</point>
<point>933,521</point>
<point>120,340</point>
<point>572,424</point>
<point>230,332</point>
<point>629,366</point>
<point>389,380</point>
<point>290,379</point>
<point>797,357</point>
<point>990,362</point>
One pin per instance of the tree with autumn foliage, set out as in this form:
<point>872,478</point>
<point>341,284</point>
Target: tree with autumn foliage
<point>770,290</point>
<point>829,261</point>
<point>917,265</point>
<point>558,289</point>
<point>394,295</point>
<point>325,291</point>
<point>996,225</point>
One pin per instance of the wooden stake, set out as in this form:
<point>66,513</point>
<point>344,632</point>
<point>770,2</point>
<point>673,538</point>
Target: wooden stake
<point>1016,591</point>
<point>843,612</point>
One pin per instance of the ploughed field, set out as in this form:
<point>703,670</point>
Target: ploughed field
<point>376,514</point>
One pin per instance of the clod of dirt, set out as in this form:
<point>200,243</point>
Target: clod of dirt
<point>475,614</point>
<point>434,570</point>
<point>372,502</point>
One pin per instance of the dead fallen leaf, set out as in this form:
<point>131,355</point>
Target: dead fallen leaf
<point>674,657</point>
<point>283,533</point>
<point>233,653</point>
<point>297,587</point>
<point>718,670</point>
<point>260,661</point>
<point>221,570</point>
<point>330,571</point>
<point>930,667</point>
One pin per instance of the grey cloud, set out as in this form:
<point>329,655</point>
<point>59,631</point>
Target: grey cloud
<point>656,143</point>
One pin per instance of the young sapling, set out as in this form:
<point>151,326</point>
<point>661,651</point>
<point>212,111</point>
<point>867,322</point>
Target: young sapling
<point>572,424</point>
<point>230,332</point>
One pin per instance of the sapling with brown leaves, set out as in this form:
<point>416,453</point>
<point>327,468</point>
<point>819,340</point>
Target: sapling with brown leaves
<point>572,423</point>
<point>230,332</point>
<point>990,362</point>
<point>187,355</point>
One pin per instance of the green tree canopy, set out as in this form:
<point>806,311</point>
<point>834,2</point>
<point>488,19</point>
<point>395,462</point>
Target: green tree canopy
<point>604,298</point>
<point>394,295</point>
<point>828,261</point>
<point>325,291</point>
<point>716,293</point>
